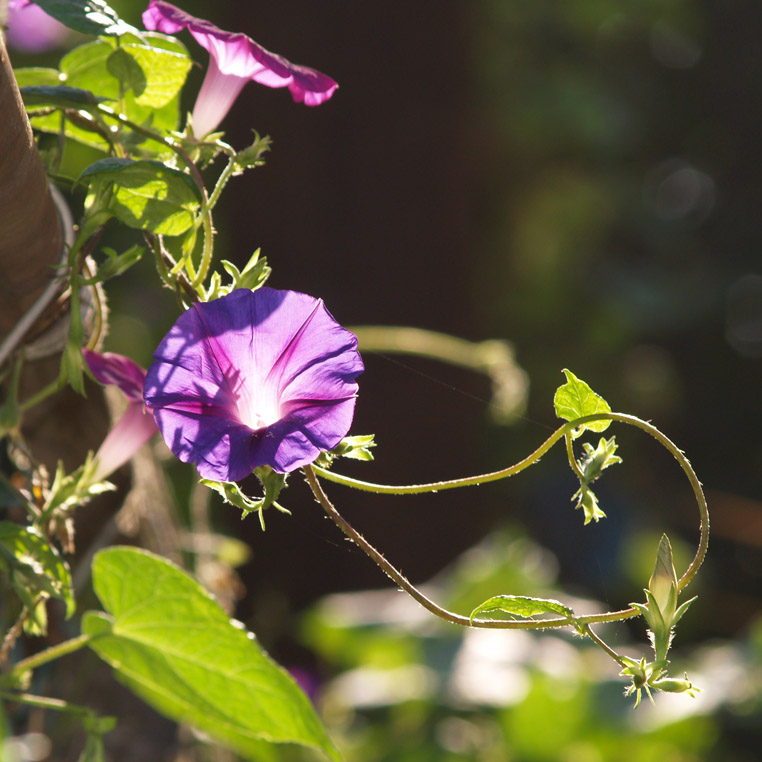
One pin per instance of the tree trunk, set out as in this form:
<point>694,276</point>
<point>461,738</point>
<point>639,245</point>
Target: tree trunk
<point>31,238</point>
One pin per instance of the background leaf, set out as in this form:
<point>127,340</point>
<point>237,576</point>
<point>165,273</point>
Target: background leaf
<point>177,649</point>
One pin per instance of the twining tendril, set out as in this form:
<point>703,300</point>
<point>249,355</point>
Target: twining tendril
<point>312,472</point>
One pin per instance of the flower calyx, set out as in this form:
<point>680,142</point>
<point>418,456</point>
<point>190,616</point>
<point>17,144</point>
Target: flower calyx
<point>661,611</point>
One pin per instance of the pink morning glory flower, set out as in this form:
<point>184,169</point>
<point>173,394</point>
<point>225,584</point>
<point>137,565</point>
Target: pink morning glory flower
<point>31,30</point>
<point>255,378</point>
<point>234,59</point>
<point>136,426</point>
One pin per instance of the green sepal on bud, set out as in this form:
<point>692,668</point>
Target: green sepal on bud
<point>73,367</point>
<point>252,277</point>
<point>587,500</point>
<point>648,676</point>
<point>252,156</point>
<point>272,483</point>
<point>356,448</point>
<point>661,611</point>
<point>594,461</point>
<point>74,489</point>
<point>675,685</point>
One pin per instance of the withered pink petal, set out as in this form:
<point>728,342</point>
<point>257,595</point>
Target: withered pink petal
<point>110,368</point>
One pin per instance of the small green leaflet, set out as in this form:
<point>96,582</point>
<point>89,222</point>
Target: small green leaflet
<point>253,276</point>
<point>576,399</point>
<point>175,647</point>
<point>523,607</point>
<point>147,195</point>
<point>356,447</point>
<point>35,567</point>
<point>87,16</point>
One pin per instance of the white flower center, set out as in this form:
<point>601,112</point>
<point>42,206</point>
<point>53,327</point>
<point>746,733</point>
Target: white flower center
<point>258,413</point>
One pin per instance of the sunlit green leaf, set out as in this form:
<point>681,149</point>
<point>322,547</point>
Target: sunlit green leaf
<point>523,606</point>
<point>147,195</point>
<point>82,131</point>
<point>145,73</point>
<point>170,642</point>
<point>576,399</point>
<point>36,76</point>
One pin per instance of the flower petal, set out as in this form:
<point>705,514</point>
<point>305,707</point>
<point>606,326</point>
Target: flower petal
<point>239,55</point>
<point>129,434</point>
<point>110,368</point>
<point>251,379</point>
<point>31,30</point>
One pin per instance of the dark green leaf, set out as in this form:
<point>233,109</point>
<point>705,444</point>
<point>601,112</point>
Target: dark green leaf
<point>59,96</point>
<point>576,399</point>
<point>126,69</point>
<point>176,648</point>
<point>86,16</point>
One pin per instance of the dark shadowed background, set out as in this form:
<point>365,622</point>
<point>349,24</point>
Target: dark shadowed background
<point>582,179</point>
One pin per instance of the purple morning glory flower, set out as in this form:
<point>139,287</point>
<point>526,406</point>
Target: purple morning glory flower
<point>31,30</point>
<point>255,378</point>
<point>234,59</point>
<point>136,426</point>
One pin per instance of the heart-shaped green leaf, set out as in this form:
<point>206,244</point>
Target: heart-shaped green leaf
<point>174,646</point>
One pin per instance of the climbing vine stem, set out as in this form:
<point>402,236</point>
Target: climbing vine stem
<point>312,472</point>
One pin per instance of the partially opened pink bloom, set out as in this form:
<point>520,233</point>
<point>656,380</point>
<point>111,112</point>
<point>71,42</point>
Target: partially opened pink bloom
<point>136,426</point>
<point>234,59</point>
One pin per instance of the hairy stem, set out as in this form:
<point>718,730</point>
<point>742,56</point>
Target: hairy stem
<point>43,702</point>
<point>562,431</point>
<point>449,616</point>
<point>605,646</point>
<point>49,654</point>
<point>12,635</point>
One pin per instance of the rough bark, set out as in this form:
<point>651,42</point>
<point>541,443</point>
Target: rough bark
<point>30,230</point>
